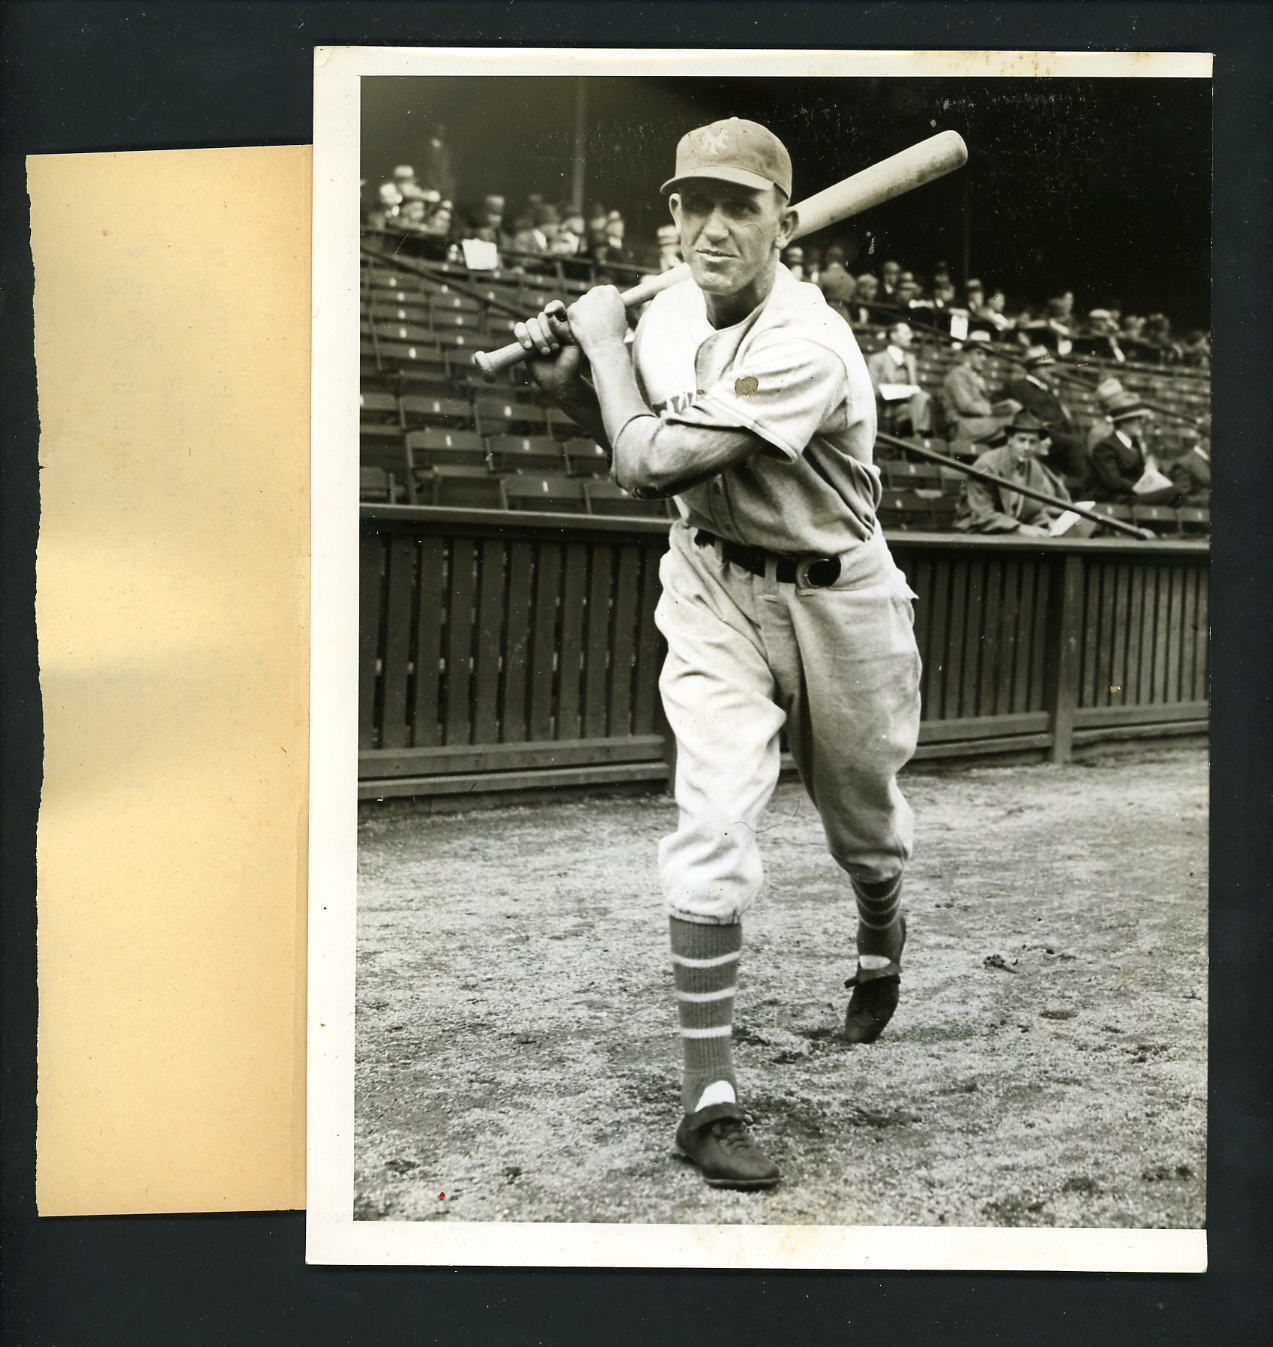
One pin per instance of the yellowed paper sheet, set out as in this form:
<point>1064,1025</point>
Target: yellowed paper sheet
<point>172,351</point>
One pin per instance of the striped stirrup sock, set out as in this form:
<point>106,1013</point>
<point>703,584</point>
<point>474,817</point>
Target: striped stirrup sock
<point>879,907</point>
<point>705,968</point>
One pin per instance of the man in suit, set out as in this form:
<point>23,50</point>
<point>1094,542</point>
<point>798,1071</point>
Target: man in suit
<point>1119,461</point>
<point>984,508</point>
<point>893,368</point>
<point>1035,389</point>
<point>1191,473</point>
<point>971,414</point>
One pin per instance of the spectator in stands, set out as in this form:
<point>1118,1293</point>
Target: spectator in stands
<point>389,199</point>
<point>969,410</point>
<point>1034,388</point>
<point>905,409</point>
<point>410,219</point>
<point>993,312</point>
<point>1109,394</point>
<point>526,238</point>
<point>1120,463</point>
<point>1190,473</point>
<point>669,245</point>
<point>862,308</point>
<point>404,179</point>
<point>836,284</point>
<point>793,260</point>
<point>1158,336</point>
<point>1196,350</point>
<point>890,276</point>
<point>984,508</point>
<point>1099,336</point>
<point>439,221</point>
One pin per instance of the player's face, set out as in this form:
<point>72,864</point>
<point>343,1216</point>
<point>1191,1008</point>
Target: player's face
<point>731,235</point>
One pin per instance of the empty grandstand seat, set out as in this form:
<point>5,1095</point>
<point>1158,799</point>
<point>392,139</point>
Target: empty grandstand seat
<point>1160,518</point>
<point>376,485</point>
<point>530,492</point>
<point>445,300</point>
<point>427,381</point>
<point>525,453</point>
<point>606,497</point>
<point>434,411</point>
<point>413,334</point>
<point>406,311</point>
<point>904,510</point>
<point>442,444</point>
<point>403,355</point>
<point>384,447</point>
<point>585,458</point>
<point>379,407</point>
<point>498,415</point>
<point>448,320</point>
<point>1193,519</point>
<point>461,488</point>
<point>905,474</point>
<point>952,480</point>
<point>460,339</point>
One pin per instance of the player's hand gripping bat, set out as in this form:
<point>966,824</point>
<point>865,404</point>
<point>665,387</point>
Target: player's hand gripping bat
<point>900,173</point>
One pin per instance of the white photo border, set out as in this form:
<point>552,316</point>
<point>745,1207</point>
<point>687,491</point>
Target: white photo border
<point>332,1234</point>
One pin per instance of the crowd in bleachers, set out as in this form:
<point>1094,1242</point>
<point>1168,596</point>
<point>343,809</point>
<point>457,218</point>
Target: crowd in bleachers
<point>1042,396</point>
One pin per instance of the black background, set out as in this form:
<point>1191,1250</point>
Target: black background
<point>1102,186</point>
<point>97,76</point>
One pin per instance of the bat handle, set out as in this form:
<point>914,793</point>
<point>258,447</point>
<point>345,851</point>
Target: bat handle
<point>492,363</point>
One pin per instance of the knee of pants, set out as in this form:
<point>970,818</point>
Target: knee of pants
<point>710,869</point>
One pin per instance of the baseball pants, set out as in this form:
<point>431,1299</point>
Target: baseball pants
<point>748,655</point>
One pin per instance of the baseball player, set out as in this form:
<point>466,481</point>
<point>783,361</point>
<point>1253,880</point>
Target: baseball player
<point>745,397</point>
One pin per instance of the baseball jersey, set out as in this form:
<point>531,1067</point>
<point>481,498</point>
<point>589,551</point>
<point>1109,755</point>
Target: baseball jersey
<point>792,374</point>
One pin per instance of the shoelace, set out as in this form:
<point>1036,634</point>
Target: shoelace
<point>732,1134</point>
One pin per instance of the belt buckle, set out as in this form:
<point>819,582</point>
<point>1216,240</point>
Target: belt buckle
<point>818,572</point>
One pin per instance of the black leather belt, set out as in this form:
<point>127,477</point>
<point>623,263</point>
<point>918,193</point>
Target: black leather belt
<point>818,571</point>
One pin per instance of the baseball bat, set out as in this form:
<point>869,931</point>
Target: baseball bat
<point>892,177</point>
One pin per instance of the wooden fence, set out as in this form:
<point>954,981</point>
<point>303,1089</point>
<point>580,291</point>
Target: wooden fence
<point>503,651</point>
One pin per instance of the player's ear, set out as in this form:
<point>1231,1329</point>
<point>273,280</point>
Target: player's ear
<point>787,225</point>
<point>674,207</point>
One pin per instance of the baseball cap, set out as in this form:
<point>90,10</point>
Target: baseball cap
<point>733,150</point>
<point>1037,356</point>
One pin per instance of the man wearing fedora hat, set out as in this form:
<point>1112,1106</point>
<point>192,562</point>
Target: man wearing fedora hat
<point>984,508</point>
<point>745,397</point>
<point>1035,389</point>
<point>1119,461</point>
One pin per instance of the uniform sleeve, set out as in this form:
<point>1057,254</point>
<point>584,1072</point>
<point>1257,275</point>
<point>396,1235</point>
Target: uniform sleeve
<point>784,392</point>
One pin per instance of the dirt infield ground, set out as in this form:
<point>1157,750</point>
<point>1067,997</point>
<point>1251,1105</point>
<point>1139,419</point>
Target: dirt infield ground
<point>516,1031</point>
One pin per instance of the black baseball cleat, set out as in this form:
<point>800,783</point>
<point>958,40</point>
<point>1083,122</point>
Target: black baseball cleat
<point>875,995</point>
<point>717,1140</point>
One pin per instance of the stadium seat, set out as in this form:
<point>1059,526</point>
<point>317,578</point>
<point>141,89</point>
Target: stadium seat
<point>497,415</point>
<point>383,447</point>
<point>527,492</point>
<point>403,355</point>
<point>525,453</point>
<point>427,381</point>
<point>465,320</point>
<point>426,411</point>
<point>585,458</point>
<point>462,488</point>
<point>378,407</point>
<point>413,334</point>
<point>1193,519</point>
<point>440,444</point>
<point>606,497</point>
<point>904,474</point>
<point>444,300</point>
<point>904,510</point>
<point>1160,518</point>
<point>376,486</point>
<point>952,480</point>
<point>408,311</point>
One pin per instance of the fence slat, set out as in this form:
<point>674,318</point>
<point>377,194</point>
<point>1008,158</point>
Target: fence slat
<point>371,550</point>
<point>627,583</point>
<point>398,630</point>
<point>597,657</point>
<point>515,656</point>
<point>571,649</point>
<point>542,673</point>
<point>430,622</point>
<point>646,713</point>
<point>952,708</point>
<point>491,608</point>
<point>991,690</point>
<point>461,601</point>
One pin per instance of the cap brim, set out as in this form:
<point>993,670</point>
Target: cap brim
<point>739,176</point>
